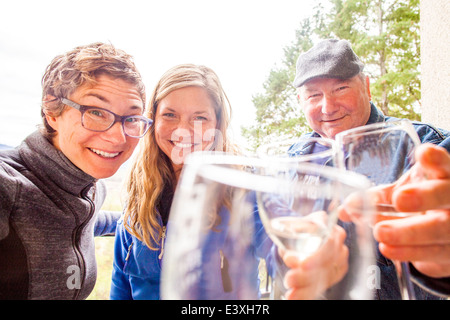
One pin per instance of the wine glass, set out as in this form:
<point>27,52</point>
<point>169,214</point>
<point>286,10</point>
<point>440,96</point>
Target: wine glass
<point>301,210</point>
<point>304,149</point>
<point>383,152</point>
<point>216,233</point>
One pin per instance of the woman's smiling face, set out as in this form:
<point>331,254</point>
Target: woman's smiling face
<point>99,154</point>
<point>185,122</point>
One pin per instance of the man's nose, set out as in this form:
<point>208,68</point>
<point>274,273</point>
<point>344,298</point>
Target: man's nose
<point>329,105</point>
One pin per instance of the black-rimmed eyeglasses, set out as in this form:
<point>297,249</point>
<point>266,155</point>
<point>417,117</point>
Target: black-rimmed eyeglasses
<point>99,120</point>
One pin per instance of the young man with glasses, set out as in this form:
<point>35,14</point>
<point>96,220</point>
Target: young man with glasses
<point>50,195</point>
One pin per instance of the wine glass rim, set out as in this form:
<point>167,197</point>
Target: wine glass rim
<point>261,151</point>
<point>211,166</point>
<point>380,127</point>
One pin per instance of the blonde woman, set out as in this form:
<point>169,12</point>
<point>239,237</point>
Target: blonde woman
<point>191,112</point>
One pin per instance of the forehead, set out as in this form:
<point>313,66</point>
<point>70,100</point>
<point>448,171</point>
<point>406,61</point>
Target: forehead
<point>323,82</point>
<point>188,98</point>
<point>109,89</point>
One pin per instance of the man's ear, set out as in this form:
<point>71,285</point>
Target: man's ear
<point>368,88</point>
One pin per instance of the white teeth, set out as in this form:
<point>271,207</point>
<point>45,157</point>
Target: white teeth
<point>182,145</point>
<point>105,154</point>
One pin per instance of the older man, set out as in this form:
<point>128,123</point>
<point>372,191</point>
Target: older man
<point>93,100</point>
<point>334,95</point>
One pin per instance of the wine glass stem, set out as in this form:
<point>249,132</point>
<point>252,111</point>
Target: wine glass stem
<point>405,283</point>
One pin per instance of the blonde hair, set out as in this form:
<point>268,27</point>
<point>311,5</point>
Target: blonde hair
<point>152,170</point>
<point>80,66</point>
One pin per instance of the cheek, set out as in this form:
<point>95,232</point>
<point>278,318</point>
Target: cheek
<point>161,132</point>
<point>210,130</point>
<point>74,140</point>
<point>132,143</point>
<point>209,136</point>
<point>212,138</point>
<point>310,111</point>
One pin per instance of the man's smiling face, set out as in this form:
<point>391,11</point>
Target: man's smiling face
<point>334,105</point>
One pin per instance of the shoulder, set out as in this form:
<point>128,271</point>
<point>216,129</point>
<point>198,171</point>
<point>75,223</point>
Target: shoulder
<point>122,234</point>
<point>431,134</point>
<point>10,172</point>
<point>10,186</point>
<point>428,133</point>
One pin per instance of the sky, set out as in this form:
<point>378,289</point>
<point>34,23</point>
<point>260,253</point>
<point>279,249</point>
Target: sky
<point>241,40</point>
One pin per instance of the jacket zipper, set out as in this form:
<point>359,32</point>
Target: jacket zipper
<point>80,228</point>
<point>129,251</point>
<point>163,237</point>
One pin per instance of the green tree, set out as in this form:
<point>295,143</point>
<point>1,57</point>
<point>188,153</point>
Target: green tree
<point>386,36</point>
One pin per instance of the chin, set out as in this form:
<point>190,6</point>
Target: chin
<point>102,173</point>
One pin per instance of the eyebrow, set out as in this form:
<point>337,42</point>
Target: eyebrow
<point>175,111</point>
<point>312,87</point>
<point>104,99</point>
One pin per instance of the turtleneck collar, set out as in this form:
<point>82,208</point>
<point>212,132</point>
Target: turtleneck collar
<point>50,164</point>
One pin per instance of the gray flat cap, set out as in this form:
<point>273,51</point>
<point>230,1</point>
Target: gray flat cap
<point>328,59</point>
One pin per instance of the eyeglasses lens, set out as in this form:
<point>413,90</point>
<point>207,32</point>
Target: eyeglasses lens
<point>102,120</point>
<point>135,127</point>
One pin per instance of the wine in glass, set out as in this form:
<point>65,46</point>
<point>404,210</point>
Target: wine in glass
<point>383,152</point>
<point>300,212</point>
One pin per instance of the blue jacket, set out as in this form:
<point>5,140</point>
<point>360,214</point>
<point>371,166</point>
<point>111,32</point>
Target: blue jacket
<point>137,269</point>
<point>389,284</point>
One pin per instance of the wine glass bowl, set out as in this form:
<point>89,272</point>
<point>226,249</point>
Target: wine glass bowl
<point>300,213</point>
<point>383,152</point>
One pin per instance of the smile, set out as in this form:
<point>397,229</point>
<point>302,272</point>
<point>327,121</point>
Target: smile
<point>333,120</point>
<point>183,145</point>
<point>104,153</point>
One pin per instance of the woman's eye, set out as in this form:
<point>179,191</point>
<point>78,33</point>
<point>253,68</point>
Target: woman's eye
<point>96,113</point>
<point>131,120</point>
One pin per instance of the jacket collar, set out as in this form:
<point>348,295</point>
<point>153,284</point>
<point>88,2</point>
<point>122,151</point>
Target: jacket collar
<point>375,115</point>
<point>50,164</point>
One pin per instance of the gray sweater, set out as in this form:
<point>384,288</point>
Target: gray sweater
<point>48,213</point>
